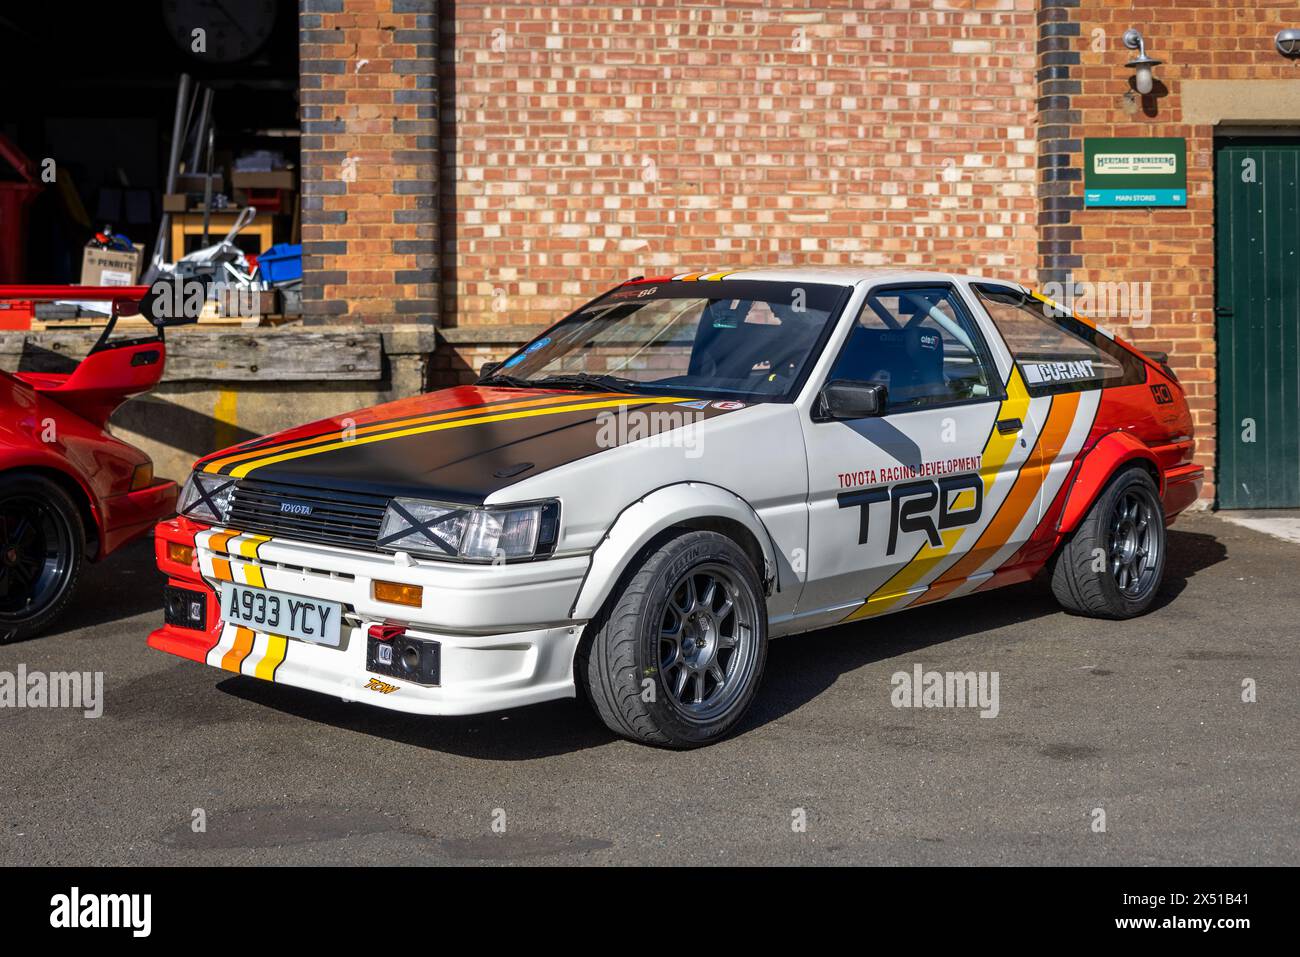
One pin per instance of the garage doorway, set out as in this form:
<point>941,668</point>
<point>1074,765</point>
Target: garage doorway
<point>1257,320</point>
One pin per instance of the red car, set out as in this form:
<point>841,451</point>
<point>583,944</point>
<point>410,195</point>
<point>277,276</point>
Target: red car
<point>70,491</point>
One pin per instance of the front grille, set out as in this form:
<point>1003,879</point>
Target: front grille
<point>349,519</point>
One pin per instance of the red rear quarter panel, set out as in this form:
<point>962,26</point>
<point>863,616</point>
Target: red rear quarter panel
<point>1147,422</point>
<point>38,433</point>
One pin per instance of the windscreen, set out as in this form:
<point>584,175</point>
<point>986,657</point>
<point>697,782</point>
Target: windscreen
<point>747,339</point>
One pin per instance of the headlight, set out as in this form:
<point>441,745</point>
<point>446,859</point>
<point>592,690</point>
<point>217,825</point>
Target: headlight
<point>468,533</point>
<point>206,497</point>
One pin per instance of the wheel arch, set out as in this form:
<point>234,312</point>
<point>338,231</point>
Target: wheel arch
<point>1108,456</point>
<point>686,506</point>
<point>87,508</point>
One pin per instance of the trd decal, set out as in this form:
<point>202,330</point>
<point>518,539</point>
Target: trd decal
<point>924,506</point>
<point>1161,393</point>
<point>897,473</point>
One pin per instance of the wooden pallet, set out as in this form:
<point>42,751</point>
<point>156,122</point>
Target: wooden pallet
<point>82,323</point>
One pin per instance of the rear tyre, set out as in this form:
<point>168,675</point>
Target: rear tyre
<point>676,656</point>
<point>1112,566</point>
<point>42,544</point>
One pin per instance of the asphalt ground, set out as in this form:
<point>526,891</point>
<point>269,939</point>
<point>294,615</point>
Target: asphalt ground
<point>1142,721</point>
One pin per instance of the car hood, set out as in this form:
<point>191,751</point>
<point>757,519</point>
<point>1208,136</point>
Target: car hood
<point>459,444</point>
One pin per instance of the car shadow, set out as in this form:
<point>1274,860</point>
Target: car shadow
<point>124,585</point>
<point>798,670</point>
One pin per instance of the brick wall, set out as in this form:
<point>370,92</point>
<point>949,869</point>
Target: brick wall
<point>592,142</point>
<point>575,145</point>
<point>1083,83</point>
<point>369,160</point>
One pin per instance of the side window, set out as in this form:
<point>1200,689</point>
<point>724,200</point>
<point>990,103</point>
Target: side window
<point>921,345</point>
<point>1057,353</point>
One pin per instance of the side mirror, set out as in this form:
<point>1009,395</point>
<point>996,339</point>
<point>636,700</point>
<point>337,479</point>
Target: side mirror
<point>852,399</point>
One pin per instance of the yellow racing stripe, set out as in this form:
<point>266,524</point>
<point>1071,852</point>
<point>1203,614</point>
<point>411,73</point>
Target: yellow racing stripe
<point>216,465</point>
<point>996,452</point>
<point>247,545</point>
<point>240,471</point>
<point>277,647</point>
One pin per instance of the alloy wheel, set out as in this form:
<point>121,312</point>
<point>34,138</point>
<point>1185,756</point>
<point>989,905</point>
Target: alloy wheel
<point>1133,551</point>
<point>706,641</point>
<point>35,556</point>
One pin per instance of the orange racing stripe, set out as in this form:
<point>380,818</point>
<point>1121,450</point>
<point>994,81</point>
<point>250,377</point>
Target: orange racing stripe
<point>997,449</point>
<point>216,465</point>
<point>217,543</point>
<point>236,655</point>
<point>573,404</point>
<point>1022,497</point>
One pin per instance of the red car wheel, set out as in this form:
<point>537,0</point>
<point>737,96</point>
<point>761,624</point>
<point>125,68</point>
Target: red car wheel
<point>42,542</point>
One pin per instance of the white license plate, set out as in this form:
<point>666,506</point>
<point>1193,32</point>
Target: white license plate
<point>274,612</point>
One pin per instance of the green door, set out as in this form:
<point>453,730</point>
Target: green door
<point>1257,318</point>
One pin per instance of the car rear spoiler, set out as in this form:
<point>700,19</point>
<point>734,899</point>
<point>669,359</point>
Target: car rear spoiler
<point>114,369</point>
<point>1162,360</point>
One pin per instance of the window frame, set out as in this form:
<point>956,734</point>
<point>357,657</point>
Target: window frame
<point>997,388</point>
<point>834,315</point>
<point>1134,366</point>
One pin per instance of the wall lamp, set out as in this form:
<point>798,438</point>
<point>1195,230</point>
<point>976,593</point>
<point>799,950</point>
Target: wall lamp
<point>1143,64</point>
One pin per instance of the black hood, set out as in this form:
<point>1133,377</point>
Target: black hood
<point>469,450</point>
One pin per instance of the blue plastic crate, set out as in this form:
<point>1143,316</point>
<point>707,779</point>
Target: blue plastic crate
<point>281,263</point>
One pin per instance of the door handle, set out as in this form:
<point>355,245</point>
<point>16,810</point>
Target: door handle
<point>1007,426</point>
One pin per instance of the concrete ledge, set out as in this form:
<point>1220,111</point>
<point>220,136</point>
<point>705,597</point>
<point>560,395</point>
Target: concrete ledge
<point>489,335</point>
<point>1240,101</point>
<point>219,354</point>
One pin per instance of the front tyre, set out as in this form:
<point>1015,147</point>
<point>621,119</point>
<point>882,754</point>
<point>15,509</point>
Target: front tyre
<point>42,541</point>
<point>677,654</point>
<point>1113,564</point>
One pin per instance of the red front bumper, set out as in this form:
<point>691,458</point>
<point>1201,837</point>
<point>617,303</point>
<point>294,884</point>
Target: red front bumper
<point>173,639</point>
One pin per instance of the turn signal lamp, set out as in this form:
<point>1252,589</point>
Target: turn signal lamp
<point>398,594</point>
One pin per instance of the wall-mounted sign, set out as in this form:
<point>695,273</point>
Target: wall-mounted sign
<point>1135,171</point>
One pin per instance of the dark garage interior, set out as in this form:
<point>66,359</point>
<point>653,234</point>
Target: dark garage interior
<point>87,125</point>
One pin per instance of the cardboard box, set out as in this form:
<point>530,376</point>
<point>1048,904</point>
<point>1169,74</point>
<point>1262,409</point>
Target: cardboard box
<point>273,179</point>
<point>108,267</point>
<point>197,182</point>
<point>175,202</point>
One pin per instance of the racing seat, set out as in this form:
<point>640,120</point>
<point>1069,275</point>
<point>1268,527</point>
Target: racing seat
<point>730,348</point>
<point>908,361</point>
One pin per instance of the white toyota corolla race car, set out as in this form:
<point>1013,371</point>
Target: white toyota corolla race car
<point>637,500</point>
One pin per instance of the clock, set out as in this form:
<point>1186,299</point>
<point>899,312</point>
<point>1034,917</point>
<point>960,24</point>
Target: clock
<point>233,30</point>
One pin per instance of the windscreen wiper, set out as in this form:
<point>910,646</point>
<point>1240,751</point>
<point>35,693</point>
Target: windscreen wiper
<point>512,381</point>
<point>587,380</point>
